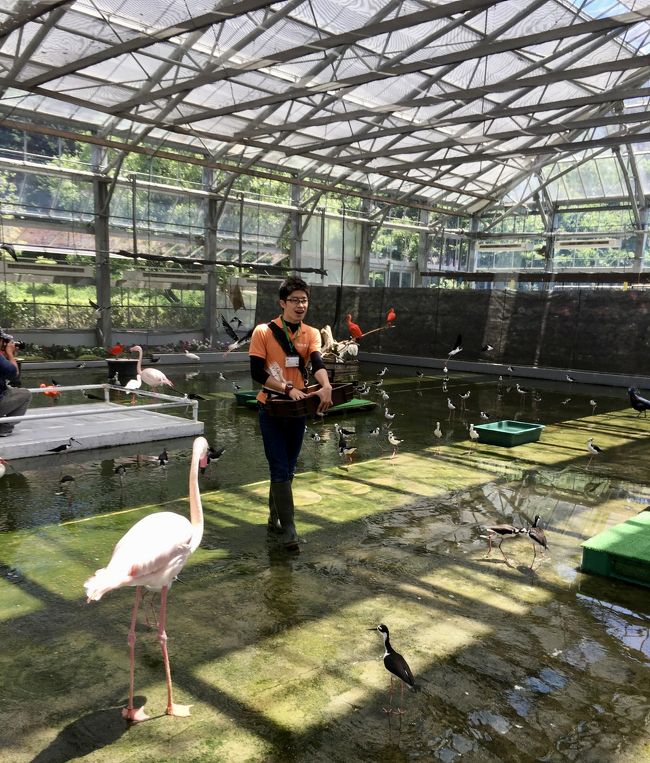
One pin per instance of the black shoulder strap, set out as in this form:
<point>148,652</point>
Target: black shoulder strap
<point>283,341</point>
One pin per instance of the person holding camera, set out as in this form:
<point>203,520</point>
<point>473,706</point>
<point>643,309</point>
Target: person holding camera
<point>13,400</point>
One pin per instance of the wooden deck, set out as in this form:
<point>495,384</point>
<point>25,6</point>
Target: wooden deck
<point>94,425</point>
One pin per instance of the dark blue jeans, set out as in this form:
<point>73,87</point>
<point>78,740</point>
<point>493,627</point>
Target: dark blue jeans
<point>282,443</point>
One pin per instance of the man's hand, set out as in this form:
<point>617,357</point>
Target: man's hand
<point>325,395</point>
<point>10,349</point>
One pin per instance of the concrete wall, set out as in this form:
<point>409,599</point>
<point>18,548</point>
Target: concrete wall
<point>593,330</point>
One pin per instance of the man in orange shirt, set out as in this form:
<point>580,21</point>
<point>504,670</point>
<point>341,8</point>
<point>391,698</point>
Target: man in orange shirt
<point>279,354</point>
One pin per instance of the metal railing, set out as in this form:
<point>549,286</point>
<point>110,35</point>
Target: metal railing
<point>175,402</point>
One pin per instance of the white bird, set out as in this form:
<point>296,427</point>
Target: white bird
<point>464,397</point>
<point>315,436</point>
<point>383,371</point>
<point>484,415</point>
<point>451,407</point>
<point>437,431</point>
<point>132,385</point>
<point>473,435</point>
<point>521,390</point>
<point>593,449</point>
<point>394,442</point>
<point>191,355</point>
<point>152,377</point>
<point>374,432</point>
<point>388,415</point>
<point>569,378</point>
<point>593,405</point>
<point>221,377</point>
<point>151,554</point>
<point>445,370</point>
<point>565,401</point>
<point>384,395</point>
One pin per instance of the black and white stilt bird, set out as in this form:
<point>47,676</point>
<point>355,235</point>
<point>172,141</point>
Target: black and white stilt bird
<point>473,435</point>
<point>538,537</point>
<point>593,405</point>
<point>397,666</point>
<point>450,407</point>
<point>487,348</point>
<point>500,532</point>
<point>593,449</point>
<point>437,432</point>
<point>383,371</point>
<point>569,378</point>
<point>464,397</point>
<point>419,374</point>
<point>346,450</point>
<point>394,442</point>
<point>64,447</point>
<point>458,347</point>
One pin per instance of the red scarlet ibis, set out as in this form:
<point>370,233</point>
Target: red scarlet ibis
<point>353,328</point>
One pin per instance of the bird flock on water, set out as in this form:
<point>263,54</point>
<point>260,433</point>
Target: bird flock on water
<point>153,552</point>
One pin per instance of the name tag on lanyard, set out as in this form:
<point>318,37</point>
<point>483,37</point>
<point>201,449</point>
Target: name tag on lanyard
<point>292,361</point>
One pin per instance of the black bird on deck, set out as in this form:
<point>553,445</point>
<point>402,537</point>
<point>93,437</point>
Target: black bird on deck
<point>640,404</point>
<point>396,665</point>
<point>64,447</point>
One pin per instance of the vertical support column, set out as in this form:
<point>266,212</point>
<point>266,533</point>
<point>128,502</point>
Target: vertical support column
<point>210,255</point>
<point>423,248</point>
<point>322,244</point>
<point>471,249</point>
<point>366,243</point>
<point>641,240</point>
<point>295,242</point>
<point>101,199</point>
<point>549,254</point>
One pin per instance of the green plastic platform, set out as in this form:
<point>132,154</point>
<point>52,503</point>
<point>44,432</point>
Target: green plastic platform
<point>508,433</point>
<point>621,552</point>
<point>356,405</point>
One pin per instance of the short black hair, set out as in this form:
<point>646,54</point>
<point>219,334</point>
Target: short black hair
<point>291,284</point>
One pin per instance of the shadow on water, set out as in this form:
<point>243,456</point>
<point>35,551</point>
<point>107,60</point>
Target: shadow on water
<point>84,736</point>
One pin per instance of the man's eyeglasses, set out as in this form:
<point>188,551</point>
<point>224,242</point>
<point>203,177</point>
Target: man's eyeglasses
<point>297,300</point>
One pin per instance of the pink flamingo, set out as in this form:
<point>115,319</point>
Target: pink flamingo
<point>150,376</point>
<point>151,554</point>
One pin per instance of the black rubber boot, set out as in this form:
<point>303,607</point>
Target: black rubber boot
<point>273,525</point>
<point>283,501</point>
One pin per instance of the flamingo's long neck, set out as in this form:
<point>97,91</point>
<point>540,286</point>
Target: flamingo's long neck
<point>139,360</point>
<point>196,507</point>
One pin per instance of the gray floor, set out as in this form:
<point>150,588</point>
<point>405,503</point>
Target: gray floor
<point>122,425</point>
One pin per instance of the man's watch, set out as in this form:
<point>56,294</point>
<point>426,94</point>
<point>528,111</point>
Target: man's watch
<point>287,388</point>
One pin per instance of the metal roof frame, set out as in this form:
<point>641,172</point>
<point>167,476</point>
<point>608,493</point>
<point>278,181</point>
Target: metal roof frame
<point>310,93</point>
